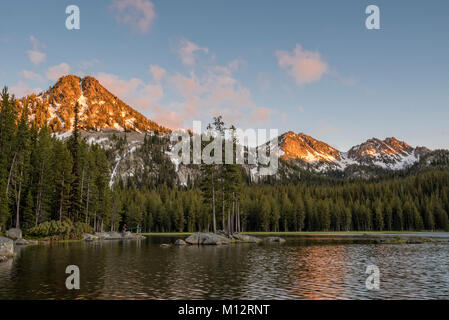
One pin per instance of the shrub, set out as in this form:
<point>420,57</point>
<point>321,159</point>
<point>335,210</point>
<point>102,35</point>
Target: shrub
<point>60,230</point>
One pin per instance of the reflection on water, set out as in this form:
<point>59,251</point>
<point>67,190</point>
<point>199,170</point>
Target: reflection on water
<point>298,269</point>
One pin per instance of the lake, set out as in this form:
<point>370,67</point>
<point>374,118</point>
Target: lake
<point>305,267</point>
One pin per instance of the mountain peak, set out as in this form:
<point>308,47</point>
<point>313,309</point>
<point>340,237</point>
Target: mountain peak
<point>375,147</point>
<point>304,147</point>
<point>98,108</point>
<point>389,153</point>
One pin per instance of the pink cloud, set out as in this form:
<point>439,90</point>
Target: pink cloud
<point>304,66</point>
<point>119,87</point>
<point>21,90</point>
<point>30,75</point>
<point>167,118</point>
<point>207,90</point>
<point>186,86</point>
<point>157,72</point>
<point>35,55</point>
<point>143,96</point>
<point>139,14</point>
<point>57,71</point>
<point>261,115</point>
<point>187,50</point>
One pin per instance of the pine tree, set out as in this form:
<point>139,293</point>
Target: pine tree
<point>20,170</point>
<point>62,165</point>
<point>8,118</point>
<point>75,189</point>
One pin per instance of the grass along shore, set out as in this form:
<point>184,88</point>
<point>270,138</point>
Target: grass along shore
<point>299,233</point>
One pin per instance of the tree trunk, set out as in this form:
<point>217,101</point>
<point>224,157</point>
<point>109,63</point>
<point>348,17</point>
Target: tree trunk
<point>214,225</point>
<point>18,201</point>
<point>61,200</point>
<point>223,205</point>
<point>87,199</point>
<point>238,215</point>
<point>39,194</point>
<point>10,173</point>
<point>232,217</point>
<point>229,221</point>
<point>81,193</point>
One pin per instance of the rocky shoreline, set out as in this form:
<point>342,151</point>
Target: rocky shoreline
<point>14,238</point>
<point>221,238</point>
<point>113,235</point>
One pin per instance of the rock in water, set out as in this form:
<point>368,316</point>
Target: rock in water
<point>274,239</point>
<point>114,235</point>
<point>246,238</point>
<point>6,247</point>
<point>14,233</point>
<point>90,237</point>
<point>180,242</point>
<point>102,235</point>
<point>203,238</point>
<point>21,242</point>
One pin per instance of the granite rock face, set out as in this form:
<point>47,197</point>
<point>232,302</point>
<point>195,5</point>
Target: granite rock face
<point>274,240</point>
<point>203,238</point>
<point>180,242</point>
<point>113,235</point>
<point>6,248</point>
<point>14,233</point>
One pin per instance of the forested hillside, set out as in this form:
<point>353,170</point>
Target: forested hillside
<point>45,179</point>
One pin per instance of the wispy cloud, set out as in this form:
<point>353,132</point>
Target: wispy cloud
<point>157,72</point>
<point>304,66</point>
<point>21,89</point>
<point>36,55</point>
<point>138,14</point>
<point>175,99</point>
<point>53,73</point>
<point>30,75</point>
<point>187,51</point>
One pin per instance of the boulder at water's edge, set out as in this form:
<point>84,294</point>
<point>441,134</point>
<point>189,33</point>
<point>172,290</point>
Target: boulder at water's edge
<point>6,248</point>
<point>14,233</point>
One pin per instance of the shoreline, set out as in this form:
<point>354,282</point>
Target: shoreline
<point>312,233</point>
<point>356,234</point>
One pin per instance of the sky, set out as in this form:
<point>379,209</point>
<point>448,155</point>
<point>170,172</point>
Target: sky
<point>304,66</point>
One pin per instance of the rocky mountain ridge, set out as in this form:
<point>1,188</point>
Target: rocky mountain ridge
<point>99,109</point>
<point>103,116</point>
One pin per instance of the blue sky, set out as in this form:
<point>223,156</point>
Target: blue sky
<point>305,66</point>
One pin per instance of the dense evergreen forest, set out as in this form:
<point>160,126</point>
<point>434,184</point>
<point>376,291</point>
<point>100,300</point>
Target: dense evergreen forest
<point>45,181</point>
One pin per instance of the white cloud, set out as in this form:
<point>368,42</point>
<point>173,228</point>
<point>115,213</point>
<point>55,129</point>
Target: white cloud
<point>304,66</point>
<point>30,75</point>
<point>21,90</point>
<point>138,14</point>
<point>187,50</point>
<point>157,72</point>
<point>57,71</point>
<point>207,90</point>
<point>35,55</point>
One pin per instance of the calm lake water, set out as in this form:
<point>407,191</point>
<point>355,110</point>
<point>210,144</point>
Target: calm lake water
<point>309,267</point>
